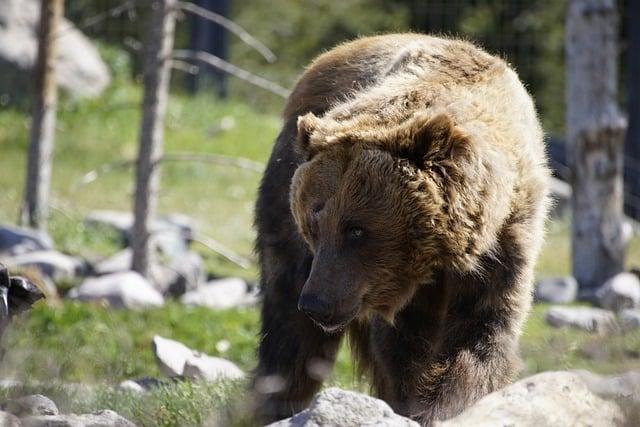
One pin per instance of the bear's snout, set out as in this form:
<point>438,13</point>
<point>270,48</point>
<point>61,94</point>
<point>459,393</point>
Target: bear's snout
<point>317,308</point>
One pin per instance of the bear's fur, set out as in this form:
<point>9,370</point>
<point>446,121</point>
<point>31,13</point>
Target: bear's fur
<point>404,203</point>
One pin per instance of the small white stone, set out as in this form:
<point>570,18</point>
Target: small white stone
<point>620,292</point>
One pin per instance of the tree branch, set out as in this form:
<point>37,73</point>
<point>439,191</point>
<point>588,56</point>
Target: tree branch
<point>229,68</point>
<point>219,248</point>
<point>231,26</point>
<point>218,159</point>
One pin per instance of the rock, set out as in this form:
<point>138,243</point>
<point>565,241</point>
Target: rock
<point>122,222</point>
<point>620,292</point>
<point>561,198</point>
<point>35,404</point>
<point>621,388</point>
<point>79,69</point>
<point>132,386</point>
<point>143,385</point>
<point>557,290</point>
<point>106,418</point>
<point>170,355</point>
<point>629,319</point>
<point>585,318</point>
<point>17,240</point>
<point>176,359</point>
<point>116,263</point>
<point>209,368</point>
<point>127,290</point>
<point>221,294</point>
<point>9,420</point>
<point>51,264</point>
<point>546,399</point>
<point>336,407</point>
<point>180,274</point>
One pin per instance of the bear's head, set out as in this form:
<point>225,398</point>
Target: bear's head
<point>381,207</point>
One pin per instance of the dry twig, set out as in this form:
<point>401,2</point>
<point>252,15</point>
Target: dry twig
<point>231,26</point>
<point>229,68</point>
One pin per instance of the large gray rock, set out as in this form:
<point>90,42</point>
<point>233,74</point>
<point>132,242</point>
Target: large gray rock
<point>221,294</point>
<point>79,69</point>
<point>546,399</point>
<point>176,359</point>
<point>106,418</point>
<point>629,319</point>
<point>121,290</point>
<point>557,290</point>
<point>336,407</point>
<point>51,264</point>
<point>171,276</point>
<point>585,318</point>
<point>18,240</point>
<point>9,420</point>
<point>620,292</point>
<point>35,404</point>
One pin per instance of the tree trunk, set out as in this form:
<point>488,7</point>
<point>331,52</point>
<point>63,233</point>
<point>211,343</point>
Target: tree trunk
<point>632,143</point>
<point>35,208</point>
<point>157,73</point>
<point>595,132</point>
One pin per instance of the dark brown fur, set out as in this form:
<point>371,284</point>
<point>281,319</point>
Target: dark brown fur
<point>404,202</point>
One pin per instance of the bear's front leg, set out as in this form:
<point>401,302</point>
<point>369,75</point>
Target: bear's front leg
<point>294,357</point>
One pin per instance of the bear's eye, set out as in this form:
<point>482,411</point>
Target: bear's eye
<point>317,207</point>
<point>354,233</point>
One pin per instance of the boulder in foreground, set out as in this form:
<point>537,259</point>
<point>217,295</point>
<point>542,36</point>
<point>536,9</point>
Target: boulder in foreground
<point>546,399</point>
<point>336,407</point>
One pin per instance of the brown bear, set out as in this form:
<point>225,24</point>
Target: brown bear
<point>403,204</point>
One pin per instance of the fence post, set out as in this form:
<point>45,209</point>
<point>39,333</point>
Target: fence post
<point>595,131</point>
<point>157,74</point>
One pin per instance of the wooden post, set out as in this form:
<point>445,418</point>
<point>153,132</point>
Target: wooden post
<point>157,74</point>
<point>595,131</point>
<point>35,207</point>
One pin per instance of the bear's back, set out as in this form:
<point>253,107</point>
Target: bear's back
<point>354,67</point>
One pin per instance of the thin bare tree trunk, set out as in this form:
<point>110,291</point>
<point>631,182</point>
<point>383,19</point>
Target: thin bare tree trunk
<point>595,131</point>
<point>157,73</point>
<point>43,122</point>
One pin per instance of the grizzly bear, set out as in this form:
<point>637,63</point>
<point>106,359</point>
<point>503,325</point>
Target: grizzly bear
<point>403,205</point>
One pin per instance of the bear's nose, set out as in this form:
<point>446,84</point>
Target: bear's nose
<point>315,307</point>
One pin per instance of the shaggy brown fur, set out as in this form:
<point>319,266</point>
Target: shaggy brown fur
<point>404,202</point>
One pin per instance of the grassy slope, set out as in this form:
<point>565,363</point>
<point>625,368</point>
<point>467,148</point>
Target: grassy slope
<point>91,344</point>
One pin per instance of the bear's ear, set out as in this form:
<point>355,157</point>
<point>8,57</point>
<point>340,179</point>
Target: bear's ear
<point>433,138</point>
<point>306,125</point>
